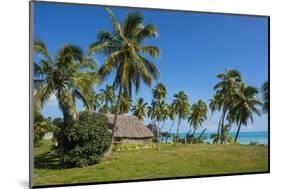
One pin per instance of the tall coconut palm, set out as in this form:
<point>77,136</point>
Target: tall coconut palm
<point>198,115</point>
<point>216,103</point>
<point>224,92</point>
<point>106,97</point>
<point>245,105</point>
<point>265,96</point>
<point>139,109</point>
<point>172,117</point>
<point>159,92</point>
<point>69,76</point>
<point>164,113</point>
<point>151,113</point>
<point>181,108</point>
<point>124,49</point>
<point>125,104</point>
<point>158,109</point>
<point>155,111</point>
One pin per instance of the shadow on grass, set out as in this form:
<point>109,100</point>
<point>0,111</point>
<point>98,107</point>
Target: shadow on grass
<point>46,161</point>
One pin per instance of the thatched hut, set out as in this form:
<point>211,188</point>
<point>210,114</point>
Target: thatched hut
<point>130,130</point>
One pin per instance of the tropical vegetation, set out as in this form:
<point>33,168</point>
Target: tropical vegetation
<point>124,48</point>
<point>81,139</point>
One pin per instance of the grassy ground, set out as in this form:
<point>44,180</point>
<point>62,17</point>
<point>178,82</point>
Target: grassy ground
<point>165,161</point>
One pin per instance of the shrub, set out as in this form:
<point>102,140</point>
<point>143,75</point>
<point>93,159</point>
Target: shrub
<point>41,127</point>
<point>85,141</point>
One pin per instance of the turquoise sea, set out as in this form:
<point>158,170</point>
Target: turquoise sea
<point>260,137</point>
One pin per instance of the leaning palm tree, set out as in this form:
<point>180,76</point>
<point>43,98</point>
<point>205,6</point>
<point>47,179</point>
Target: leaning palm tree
<point>139,109</point>
<point>224,92</point>
<point>198,115</point>
<point>124,49</point>
<point>69,76</point>
<point>245,105</point>
<point>181,109</point>
<point>106,97</point>
<point>265,96</point>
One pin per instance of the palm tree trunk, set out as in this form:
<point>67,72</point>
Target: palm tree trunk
<point>219,126</point>
<point>192,139</point>
<point>66,122</point>
<point>177,133</point>
<point>161,130</point>
<point>114,128</point>
<point>237,133</point>
<point>202,132</point>
<point>169,132</point>
<point>222,126</point>
<point>158,132</point>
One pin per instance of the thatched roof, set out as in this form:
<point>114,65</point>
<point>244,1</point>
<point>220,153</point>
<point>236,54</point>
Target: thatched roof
<point>129,127</point>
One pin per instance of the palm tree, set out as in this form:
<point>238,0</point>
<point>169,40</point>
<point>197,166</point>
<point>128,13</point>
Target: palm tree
<point>181,108</point>
<point>124,50</point>
<point>224,92</point>
<point>139,109</point>
<point>159,92</point>
<point>245,102</point>
<point>155,114</point>
<point>158,109</point>
<point>198,115</point>
<point>106,97</point>
<point>172,117</point>
<point>125,104</point>
<point>265,96</point>
<point>162,115</point>
<point>224,135</point>
<point>69,76</point>
<point>216,103</point>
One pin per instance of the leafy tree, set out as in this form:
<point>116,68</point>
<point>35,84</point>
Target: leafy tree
<point>124,49</point>
<point>41,127</point>
<point>181,108</point>
<point>245,104</point>
<point>86,141</point>
<point>139,109</point>
<point>70,75</point>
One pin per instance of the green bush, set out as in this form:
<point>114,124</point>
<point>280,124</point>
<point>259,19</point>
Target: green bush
<point>41,127</point>
<point>85,141</point>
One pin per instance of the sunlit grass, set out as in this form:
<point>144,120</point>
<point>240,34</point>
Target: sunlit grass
<point>156,162</point>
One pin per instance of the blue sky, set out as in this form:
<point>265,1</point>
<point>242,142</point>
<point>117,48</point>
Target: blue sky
<point>194,48</point>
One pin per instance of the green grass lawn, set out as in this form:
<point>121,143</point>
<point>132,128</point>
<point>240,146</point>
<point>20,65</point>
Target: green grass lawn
<point>167,161</point>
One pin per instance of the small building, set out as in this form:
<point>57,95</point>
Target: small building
<point>130,130</point>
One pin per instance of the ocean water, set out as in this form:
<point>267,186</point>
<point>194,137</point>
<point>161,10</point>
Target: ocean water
<point>243,138</point>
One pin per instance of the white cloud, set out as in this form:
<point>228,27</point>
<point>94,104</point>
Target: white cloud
<point>52,101</point>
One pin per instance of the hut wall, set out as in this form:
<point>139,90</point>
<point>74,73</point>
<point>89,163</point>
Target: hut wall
<point>134,140</point>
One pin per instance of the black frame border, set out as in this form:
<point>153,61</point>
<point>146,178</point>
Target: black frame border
<point>31,38</point>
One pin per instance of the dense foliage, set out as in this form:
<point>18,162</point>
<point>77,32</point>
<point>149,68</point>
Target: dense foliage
<point>41,127</point>
<point>86,141</point>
